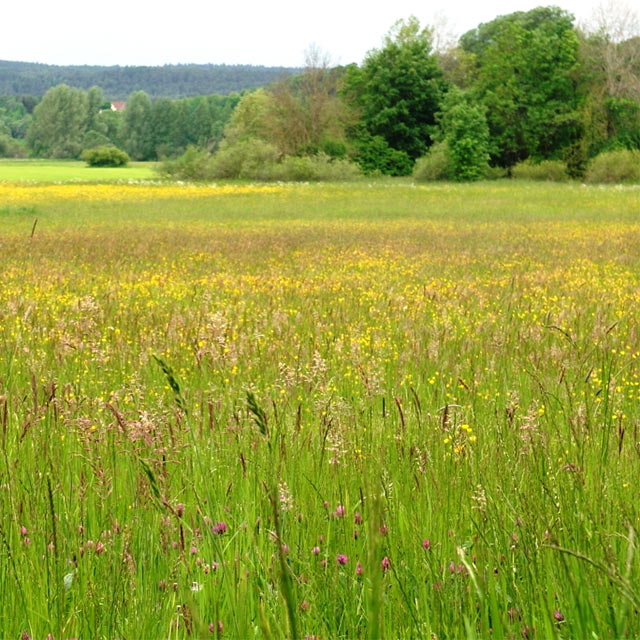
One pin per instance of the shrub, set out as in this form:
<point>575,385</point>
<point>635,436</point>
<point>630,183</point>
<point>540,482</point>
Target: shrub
<point>10,148</point>
<point>621,165</point>
<point>436,165</point>
<point>254,159</point>
<point>105,156</point>
<point>333,147</point>
<point>495,173</point>
<point>468,141</point>
<point>193,164</point>
<point>375,155</point>
<point>316,168</point>
<point>251,158</point>
<point>547,170</point>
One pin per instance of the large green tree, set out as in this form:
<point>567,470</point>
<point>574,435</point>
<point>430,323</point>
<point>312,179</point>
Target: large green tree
<point>399,89</point>
<point>137,130</point>
<point>59,123</point>
<point>526,80</point>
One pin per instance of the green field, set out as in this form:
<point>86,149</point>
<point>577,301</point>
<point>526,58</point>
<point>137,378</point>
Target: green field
<point>66,170</point>
<point>334,411</point>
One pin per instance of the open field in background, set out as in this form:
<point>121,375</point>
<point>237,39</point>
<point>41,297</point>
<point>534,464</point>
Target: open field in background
<point>64,170</point>
<point>378,411</point>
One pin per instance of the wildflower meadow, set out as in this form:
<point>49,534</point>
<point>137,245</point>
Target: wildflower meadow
<point>319,411</point>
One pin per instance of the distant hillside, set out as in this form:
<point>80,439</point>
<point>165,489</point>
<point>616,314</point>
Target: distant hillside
<point>168,81</point>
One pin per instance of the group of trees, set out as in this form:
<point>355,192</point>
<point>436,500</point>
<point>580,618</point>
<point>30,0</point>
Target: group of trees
<point>168,81</point>
<point>67,121</point>
<point>525,86</point>
<point>528,85</point>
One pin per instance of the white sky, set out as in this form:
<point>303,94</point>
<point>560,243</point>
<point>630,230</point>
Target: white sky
<point>272,33</point>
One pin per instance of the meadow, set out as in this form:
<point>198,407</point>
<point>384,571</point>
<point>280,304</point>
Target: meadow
<point>30,170</point>
<point>324,411</point>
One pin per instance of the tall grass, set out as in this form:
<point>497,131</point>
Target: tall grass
<point>339,411</point>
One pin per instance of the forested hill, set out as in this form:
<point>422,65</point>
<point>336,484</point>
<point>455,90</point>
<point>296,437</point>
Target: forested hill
<point>168,81</point>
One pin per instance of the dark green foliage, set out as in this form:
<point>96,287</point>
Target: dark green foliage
<point>10,148</point>
<point>624,123</point>
<point>14,117</point>
<point>398,89</point>
<point>375,155</point>
<point>335,148</point>
<point>477,41</point>
<point>467,137</point>
<point>576,158</point>
<point>105,156</point>
<point>525,67</point>
<point>168,81</point>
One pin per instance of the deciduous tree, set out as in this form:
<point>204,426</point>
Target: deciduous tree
<point>399,89</point>
<point>59,123</point>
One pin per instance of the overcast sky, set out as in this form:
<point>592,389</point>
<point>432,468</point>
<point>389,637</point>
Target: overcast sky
<point>271,33</point>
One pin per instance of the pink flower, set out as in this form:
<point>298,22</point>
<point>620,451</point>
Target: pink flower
<point>557,616</point>
<point>355,534</point>
<point>426,544</point>
<point>219,528</point>
<point>99,548</point>
<point>342,559</point>
<point>220,627</point>
<point>180,509</point>
<point>285,549</point>
<point>193,549</point>
<point>23,531</point>
<point>384,530</point>
<point>386,563</point>
<point>359,568</point>
<point>357,518</point>
<point>304,605</point>
<point>340,511</point>
<point>315,550</point>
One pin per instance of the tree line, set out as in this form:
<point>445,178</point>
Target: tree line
<point>168,81</point>
<point>525,86</point>
<point>68,121</point>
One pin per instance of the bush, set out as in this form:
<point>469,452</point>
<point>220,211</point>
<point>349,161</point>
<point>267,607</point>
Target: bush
<point>316,168</point>
<point>374,155</point>
<point>467,141</point>
<point>193,164</point>
<point>252,159</point>
<point>436,165</point>
<point>547,170</point>
<point>10,148</point>
<point>614,167</point>
<point>255,159</point>
<point>495,173</point>
<point>105,156</point>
